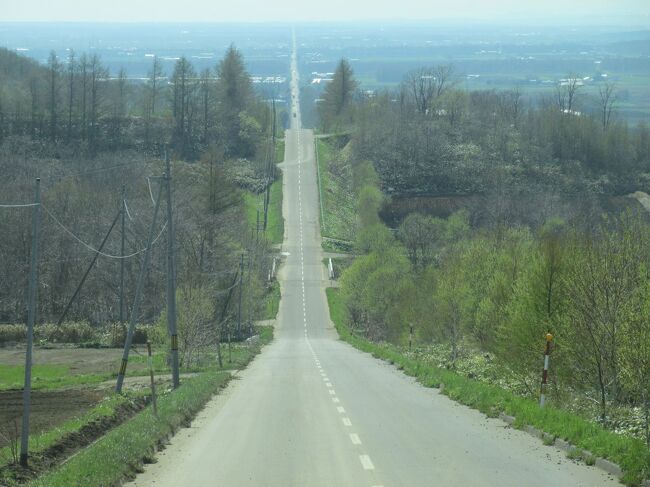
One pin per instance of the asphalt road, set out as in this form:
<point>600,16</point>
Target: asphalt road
<point>313,411</point>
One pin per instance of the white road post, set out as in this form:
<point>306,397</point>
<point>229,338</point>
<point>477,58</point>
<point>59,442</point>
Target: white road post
<point>547,352</point>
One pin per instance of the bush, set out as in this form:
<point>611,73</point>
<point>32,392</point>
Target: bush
<point>112,334</point>
<point>12,334</point>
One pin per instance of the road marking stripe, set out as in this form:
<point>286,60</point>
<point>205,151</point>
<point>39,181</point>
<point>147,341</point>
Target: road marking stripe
<point>328,384</point>
<point>332,392</point>
<point>354,438</point>
<point>347,422</point>
<point>366,462</point>
<point>340,409</point>
<point>335,399</point>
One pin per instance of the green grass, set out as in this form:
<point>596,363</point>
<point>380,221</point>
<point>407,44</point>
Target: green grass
<point>630,454</point>
<point>272,302</point>
<point>338,202</point>
<point>118,455</point>
<point>279,151</point>
<point>45,377</point>
<point>275,223</point>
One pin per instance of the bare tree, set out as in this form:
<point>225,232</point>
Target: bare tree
<point>53,91</point>
<point>566,92</point>
<point>608,98</point>
<point>154,79</point>
<point>421,87</point>
<point>72,66</point>
<point>424,85</point>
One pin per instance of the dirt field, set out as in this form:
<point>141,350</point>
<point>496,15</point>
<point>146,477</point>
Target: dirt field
<point>48,408</point>
<point>53,407</point>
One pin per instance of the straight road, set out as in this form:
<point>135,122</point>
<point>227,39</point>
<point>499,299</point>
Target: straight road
<point>313,411</point>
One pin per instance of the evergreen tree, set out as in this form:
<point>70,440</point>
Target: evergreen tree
<point>335,109</point>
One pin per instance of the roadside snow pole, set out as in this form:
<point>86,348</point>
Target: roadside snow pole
<point>547,352</point>
<point>154,406</point>
<point>330,268</point>
<point>410,336</point>
<point>31,314</point>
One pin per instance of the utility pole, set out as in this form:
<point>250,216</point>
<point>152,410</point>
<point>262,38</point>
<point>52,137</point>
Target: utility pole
<point>31,317</point>
<point>171,279</point>
<point>241,282</point>
<point>135,311</point>
<point>122,255</point>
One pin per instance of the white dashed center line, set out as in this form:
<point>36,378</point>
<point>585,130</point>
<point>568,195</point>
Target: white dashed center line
<point>366,462</point>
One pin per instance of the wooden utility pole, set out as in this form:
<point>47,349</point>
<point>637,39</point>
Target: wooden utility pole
<point>171,279</point>
<point>31,317</point>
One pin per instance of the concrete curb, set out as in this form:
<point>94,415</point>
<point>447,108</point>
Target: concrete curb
<point>601,463</point>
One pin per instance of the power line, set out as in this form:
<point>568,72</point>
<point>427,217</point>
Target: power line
<point>27,205</point>
<point>93,249</point>
<point>94,171</point>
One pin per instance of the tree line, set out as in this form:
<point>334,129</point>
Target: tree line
<point>497,284</point>
<point>429,137</point>
<point>76,101</point>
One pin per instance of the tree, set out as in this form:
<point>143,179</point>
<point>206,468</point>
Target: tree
<point>183,106</point>
<point>97,82</point>
<point>234,95</point>
<point>53,92</point>
<point>635,343</point>
<point>424,85</point>
<point>607,96</point>
<point>154,82</point>
<point>566,92</point>
<point>421,235</point>
<point>602,279</point>
<point>368,205</point>
<point>72,67</point>
<point>336,106</point>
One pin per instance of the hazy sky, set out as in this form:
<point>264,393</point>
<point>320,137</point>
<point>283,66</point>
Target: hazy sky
<point>296,10</point>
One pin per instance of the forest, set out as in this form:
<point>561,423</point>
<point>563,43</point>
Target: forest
<point>98,142</point>
<point>529,250</point>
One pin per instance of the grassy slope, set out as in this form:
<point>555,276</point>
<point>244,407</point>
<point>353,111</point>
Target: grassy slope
<point>630,454</point>
<point>338,207</point>
<point>275,224</point>
<point>272,302</point>
<point>119,454</point>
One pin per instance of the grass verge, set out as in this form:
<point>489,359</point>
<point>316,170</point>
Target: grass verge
<point>275,223</point>
<point>272,302</point>
<point>279,150</point>
<point>630,454</point>
<point>119,454</point>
